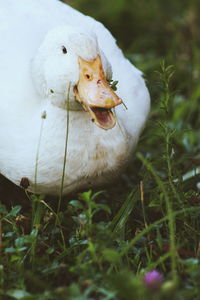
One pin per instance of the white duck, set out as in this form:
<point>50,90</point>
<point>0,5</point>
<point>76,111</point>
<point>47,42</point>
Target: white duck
<point>54,66</point>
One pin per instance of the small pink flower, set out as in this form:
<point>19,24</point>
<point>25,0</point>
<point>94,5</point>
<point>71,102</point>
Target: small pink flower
<point>153,279</point>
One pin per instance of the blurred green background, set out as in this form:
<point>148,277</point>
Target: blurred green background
<point>149,31</point>
<point>154,28</point>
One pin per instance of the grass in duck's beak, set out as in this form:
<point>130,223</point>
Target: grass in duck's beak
<point>95,94</point>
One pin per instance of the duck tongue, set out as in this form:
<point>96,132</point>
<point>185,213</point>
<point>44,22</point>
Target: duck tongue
<point>104,118</point>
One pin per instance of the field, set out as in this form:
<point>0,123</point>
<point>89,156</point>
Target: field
<point>138,238</point>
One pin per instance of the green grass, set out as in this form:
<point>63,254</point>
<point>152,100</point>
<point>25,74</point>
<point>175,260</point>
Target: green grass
<point>100,244</point>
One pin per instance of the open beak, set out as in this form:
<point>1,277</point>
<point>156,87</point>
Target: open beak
<point>95,94</point>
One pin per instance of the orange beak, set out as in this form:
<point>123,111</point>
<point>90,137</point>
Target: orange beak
<point>95,94</point>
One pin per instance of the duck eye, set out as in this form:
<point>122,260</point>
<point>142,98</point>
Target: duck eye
<point>64,50</point>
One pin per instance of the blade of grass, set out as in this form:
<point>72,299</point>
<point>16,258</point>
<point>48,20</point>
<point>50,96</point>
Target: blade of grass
<point>169,209</point>
<point>152,226</point>
<point>65,153</point>
<point>120,219</point>
<point>38,150</point>
<point>1,243</point>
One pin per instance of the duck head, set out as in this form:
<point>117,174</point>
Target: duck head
<point>72,72</point>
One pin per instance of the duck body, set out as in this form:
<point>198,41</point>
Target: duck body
<point>41,123</point>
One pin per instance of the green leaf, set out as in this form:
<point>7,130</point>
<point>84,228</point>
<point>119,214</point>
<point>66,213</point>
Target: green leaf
<point>15,258</point>
<point>19,242</point>
<point>114,85</point>
<point>118,223</point>
<point>76,204</point>
<point>95,195</point>
<point>14,211</point>
<point>34,233</point>
<point>104,207</point>
<point>17,294</point>
<point>50,250</point>
<point>3,210</point>
<point>10,250</point>
<point>155,202</point>
<point>111,255</point>
<point>86,196</point>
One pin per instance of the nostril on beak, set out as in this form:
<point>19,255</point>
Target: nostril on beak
<point>89,77</point>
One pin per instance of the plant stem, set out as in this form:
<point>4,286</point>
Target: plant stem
<point>38,150</point>
<point>171,220</point>
<point>65,153</point>
<point>1,243</point>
